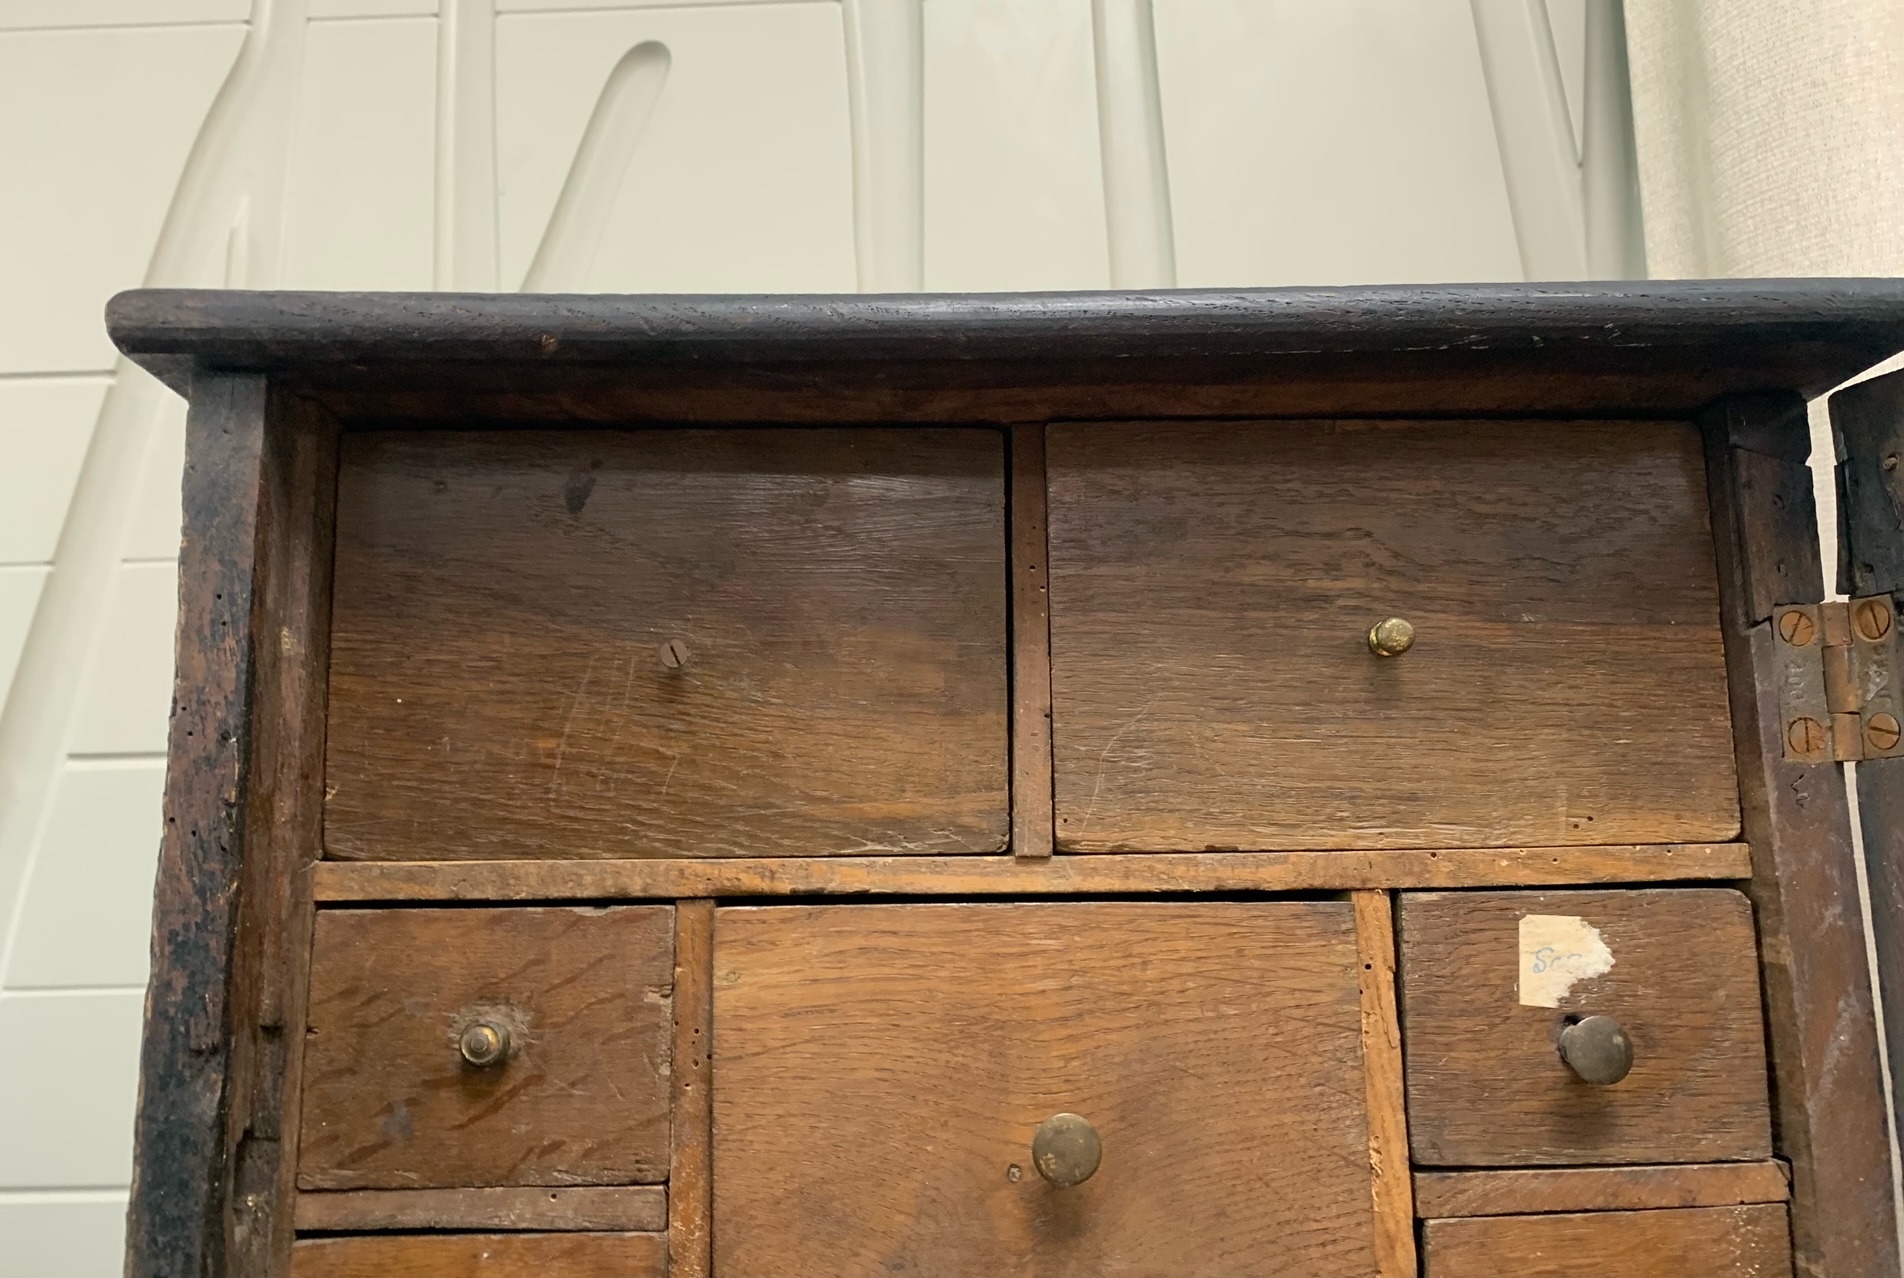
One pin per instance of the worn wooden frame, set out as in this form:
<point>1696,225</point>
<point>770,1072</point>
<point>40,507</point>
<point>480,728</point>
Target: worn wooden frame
<point>274,379</point>
<point>1827,1093</point>
<point>212,1188</point>
<point>1868,425</point>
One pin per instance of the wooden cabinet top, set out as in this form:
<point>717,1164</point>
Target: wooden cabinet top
<point>1658,346</point>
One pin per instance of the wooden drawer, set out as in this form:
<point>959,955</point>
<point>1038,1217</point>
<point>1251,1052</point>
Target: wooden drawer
<point>668,642</point>
<point>881,1072</point>
<point>1712,1242</point>
<point>1212,591</point>
<point>1676,968</point>
<point>402,999</point>
<point>483,1256</point>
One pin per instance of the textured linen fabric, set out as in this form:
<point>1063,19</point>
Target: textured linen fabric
<point>1770,135</point>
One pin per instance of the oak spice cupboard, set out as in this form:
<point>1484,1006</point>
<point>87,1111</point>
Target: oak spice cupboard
<point>1281,782</point>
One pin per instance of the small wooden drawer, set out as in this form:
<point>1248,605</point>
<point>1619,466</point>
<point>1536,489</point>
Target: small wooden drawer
<point>620,1255</point>
<point>882,1073</point>
<point>1490,983</point>
<point>1710,1242</point>
<point>479,1047</point>
<point>668,643</point>
<point>1213,588</point>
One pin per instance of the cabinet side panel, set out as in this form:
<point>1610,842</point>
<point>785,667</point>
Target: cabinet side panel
<point>1828,1093</point>
<point>1868,421</point>
<point>182,1149</point>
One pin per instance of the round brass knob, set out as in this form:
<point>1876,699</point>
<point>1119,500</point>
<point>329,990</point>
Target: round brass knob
<point>1391,637</point>
<point>483,1044</point>
<point>1597,1049</point>
<point>1066,1150</point>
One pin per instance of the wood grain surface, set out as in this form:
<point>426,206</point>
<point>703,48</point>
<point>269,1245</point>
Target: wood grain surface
<point>1712,1242</point>
<point>1868,421</point>
<point>1382,1075</point>
<point>193,1070</point>
<point>1702,337</point>
<point>1031,647</point>
<point>622,1255</point>
<point>1828,1081</point>
<point>502,685</point>
<point>882,1069</point>
<point>512,1209</point>
<point>1486,1085</point>
<point>271,962</point>
<point>1212,587</point>
<point>691,1139</point>
<point>342,881</point>
<point>1532,1191</point>
<point>583,1098</point>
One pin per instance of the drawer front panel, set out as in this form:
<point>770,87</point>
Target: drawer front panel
<point>882,1072</point>
<point>488,1047</point>
<point>658,642</point>
<point>1676,971</point>
<point>483,1256</point>
<point>1212,592</point>
<point>1714,1242</point>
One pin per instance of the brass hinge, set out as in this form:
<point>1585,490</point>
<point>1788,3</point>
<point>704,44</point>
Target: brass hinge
<point>1838,693</point>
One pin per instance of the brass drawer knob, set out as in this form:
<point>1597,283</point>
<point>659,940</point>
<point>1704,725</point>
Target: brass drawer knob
<point>484,1044</point>
<point>1597,1049</point>
<point>1391,637</point>
<point>1066,1150</point>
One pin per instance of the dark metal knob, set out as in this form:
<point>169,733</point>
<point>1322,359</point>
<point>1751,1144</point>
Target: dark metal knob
<point>1066,1150</point>
<point>1391,637</point>
<point>1597,1049</point>
<point>483,1044</point>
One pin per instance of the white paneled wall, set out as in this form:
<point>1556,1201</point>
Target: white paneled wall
<point>611,145</point>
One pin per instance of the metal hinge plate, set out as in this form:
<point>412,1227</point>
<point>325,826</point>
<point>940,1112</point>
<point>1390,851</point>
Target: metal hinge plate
<point>1838,693</point>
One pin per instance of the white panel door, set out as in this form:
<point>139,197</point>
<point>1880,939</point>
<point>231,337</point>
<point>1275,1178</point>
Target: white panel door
<point>1332,143</point>
<point>1014,194</point>
<point>719,158</point>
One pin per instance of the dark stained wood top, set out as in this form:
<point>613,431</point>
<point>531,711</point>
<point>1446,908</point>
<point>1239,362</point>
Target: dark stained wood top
<point>1716,336</point>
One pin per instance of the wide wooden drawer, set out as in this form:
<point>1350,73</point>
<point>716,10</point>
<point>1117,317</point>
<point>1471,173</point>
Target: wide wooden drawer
<point>1711,1242</point>
<point>476,1047</point>
<point>882,1073</point>
<point>1491,982</point>
<point>668,643</point>
<point>482,1256</point>
<point>1213,588</point>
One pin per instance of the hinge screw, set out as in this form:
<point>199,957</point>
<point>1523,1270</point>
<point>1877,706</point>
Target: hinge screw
<point>1797,628</point>
<point>1805,736</point>
<point>1882,733</point>
<point>1872,617</point>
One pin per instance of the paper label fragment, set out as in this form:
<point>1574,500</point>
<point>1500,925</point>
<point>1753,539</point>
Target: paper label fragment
<point>1556,951</point>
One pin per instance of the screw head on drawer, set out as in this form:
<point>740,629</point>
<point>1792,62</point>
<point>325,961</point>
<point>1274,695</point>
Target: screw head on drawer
<point>1391,637</point>
<point>674,654</point>
<point>1597,1049</point>
<point>484,1044</point>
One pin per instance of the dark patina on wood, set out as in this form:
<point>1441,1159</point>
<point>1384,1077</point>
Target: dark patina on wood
<point>1827,1088</point>
<point>1868,422</point>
